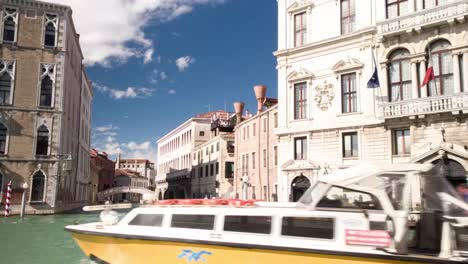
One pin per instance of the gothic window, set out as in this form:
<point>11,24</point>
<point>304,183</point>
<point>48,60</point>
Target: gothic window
<point>300,100</point>
<point>6,81</point>
<point>349,94</point>
<point>42,146</point>
<point>300,29</point>
<point>47,85</point>
<point>38,187</point>
<point>348,16</point>
<point>399,72</point>
<point>441,60</point>
<point>3,138</point>
<point>10,19</point>
<point>397,8</point>
<point>50,30</point>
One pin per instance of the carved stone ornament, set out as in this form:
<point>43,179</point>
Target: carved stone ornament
<point>8,67</point>
<point>347,64</point>
<point>300,74</point>
<point>300,6</point>
<point>299,165</point>
<point>324,95</point>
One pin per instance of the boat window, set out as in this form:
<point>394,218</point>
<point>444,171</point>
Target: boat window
<point>313,227</point>
<point>193,221</point>
<point>147,220</point>
<point>339,197</point>
<point>248,224</point>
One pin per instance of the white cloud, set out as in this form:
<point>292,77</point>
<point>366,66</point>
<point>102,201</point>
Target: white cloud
<point>163,76</point>
<point>158,59</point>
<point>171,91</point>
<point>113,30</point>
<point>183,63</point>
<point>129,93</point>
<point>129,150</point>
<point>148,57</point>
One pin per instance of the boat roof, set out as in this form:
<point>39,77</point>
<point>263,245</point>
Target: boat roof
<point>352,175</point>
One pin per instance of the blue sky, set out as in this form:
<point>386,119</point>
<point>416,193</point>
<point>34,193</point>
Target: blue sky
<point>178,58</point>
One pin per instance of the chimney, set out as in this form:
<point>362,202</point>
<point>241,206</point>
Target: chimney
<point>238,108</point>
<point>260,94</point>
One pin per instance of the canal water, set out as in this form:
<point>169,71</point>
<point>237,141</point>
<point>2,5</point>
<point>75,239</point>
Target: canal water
<point>41,239</point>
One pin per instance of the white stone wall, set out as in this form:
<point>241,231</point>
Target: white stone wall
<point>327,55</point>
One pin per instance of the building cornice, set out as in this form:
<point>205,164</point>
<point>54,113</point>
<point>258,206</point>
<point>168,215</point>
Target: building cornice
<point>184,125</point>
<point>342,40</point>
<point>38,4</point>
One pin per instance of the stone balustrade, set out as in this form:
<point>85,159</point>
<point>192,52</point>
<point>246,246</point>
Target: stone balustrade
<point>428,105</point>
<point>416,20</point>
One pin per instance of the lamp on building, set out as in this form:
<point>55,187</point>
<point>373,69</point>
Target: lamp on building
<point>25,187</point>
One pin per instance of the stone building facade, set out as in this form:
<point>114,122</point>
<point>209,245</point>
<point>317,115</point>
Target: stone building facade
<point>256,156</point>
<point>145,168</point>
<point>213,161</point>
<point>102,173</point>
<point>41,79</point>
<point>331,117</point>
<point>173,178</point>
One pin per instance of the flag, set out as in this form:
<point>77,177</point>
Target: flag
<point>429,76</point>
<point>374,79</point>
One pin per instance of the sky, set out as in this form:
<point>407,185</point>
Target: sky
<point>156,63</point>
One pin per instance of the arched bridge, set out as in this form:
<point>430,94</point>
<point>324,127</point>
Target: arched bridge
<point>147,193</point>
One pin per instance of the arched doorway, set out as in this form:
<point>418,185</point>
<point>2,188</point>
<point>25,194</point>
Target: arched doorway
<point>452,170</point>
<point>298,186</point>
<point>38,187</point>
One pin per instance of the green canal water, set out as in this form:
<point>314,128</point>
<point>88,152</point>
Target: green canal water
<point>41,239</point>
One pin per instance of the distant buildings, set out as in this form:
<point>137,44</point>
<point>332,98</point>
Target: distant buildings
<point>213,161</point>
<point>128,178</point>
<point>102,173</point>
<point>45,106</point>
<point>174,176</point>
<point>143,167</point>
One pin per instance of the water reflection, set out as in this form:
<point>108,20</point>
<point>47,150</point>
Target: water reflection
<point>42,239</point>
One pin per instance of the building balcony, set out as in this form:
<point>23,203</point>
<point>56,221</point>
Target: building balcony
<point>455,103</point>
<point>447,13</point>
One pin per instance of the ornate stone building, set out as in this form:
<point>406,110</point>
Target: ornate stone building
<point>42,82</point>
<point>328,50</point>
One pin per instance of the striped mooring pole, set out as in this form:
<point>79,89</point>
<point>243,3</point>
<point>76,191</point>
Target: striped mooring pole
<point>8,198</point>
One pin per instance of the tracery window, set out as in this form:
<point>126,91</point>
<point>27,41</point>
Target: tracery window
<point>6,81</point>
<point>10,19</point>
<point>42,142</point>
<point>3,138</point>
<point>47,85</point>
<point>50,30</point>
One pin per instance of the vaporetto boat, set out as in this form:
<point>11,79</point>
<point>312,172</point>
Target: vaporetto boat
<point>366,214</point>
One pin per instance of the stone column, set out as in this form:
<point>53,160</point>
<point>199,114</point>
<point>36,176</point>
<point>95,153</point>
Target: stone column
<point>384,84</point>
<point>465,71</point>
<point>419,5</point>
<point>422,73</point>
<point>456,74</point>
<point>414,80</point>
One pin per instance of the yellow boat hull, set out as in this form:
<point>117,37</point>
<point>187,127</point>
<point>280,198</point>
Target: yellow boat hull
<point>122,250</point>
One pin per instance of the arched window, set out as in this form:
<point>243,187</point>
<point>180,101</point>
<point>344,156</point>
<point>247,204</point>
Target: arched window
<point>9,26</point>
<point>46,92</point>
<point>399,72</point>
<point>49,38</point>
<point>3,137</point>
<point>38,187</point>
<point>5,88</point>
<point>441,60</point>
<point>42,146</point>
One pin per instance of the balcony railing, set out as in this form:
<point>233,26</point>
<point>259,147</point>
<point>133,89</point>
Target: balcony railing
<point>428,105</point>
<point>416,20</point>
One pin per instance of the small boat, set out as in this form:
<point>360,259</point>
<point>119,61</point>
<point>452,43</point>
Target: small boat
<point>365,214</point>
